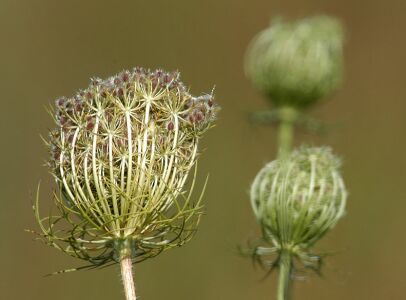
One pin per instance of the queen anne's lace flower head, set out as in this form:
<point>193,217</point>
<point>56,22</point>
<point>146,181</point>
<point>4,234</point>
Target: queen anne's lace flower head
<point>121,154</point>
<point>297,63</point>
<point>297,200</point>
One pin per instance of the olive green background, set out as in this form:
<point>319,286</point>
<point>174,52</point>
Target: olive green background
<point>52,48</point>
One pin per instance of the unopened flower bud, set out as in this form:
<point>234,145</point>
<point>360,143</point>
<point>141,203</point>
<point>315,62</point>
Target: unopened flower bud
<point>298,63</point>
<point>298,199</point>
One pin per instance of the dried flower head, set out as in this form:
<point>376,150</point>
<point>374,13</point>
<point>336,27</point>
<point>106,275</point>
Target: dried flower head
<point>121,154</point>
<point>297,63</point>
<point>297,200</point>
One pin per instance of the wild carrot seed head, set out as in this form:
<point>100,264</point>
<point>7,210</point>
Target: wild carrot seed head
<point>121,153</point>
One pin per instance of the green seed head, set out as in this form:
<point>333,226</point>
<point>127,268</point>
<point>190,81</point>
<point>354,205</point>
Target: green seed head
<point>121,153</point>
<point>299,199</point>
<point>298,63</point>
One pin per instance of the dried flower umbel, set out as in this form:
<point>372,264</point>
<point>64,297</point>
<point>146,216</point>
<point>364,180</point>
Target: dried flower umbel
<point>296,201</point>
<point>121,154</point>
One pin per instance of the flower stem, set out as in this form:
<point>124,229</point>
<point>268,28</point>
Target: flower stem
<point>287,117</point>
<point>124,252</point>
<point>285,267</point>
<point>127,276</point>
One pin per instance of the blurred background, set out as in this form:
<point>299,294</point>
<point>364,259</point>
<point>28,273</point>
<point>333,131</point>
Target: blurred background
<point>52,48</point>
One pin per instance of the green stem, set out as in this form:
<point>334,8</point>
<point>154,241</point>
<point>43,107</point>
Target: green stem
<point>285,268</point>
<point>287,117</point>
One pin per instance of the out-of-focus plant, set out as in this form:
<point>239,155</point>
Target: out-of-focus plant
<point>121,154</point>
<point>295,65</point>
<point>300,196</point>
